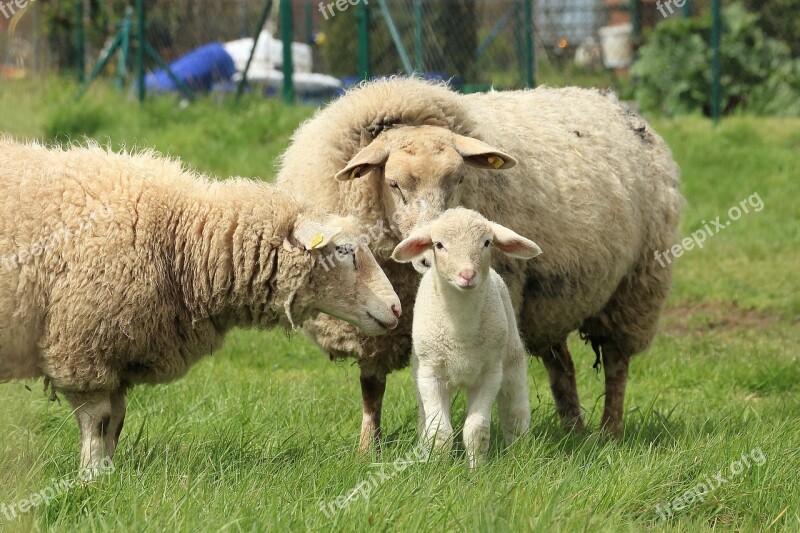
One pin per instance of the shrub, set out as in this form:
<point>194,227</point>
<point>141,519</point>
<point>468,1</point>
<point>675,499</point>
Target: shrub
<point>759,74</point>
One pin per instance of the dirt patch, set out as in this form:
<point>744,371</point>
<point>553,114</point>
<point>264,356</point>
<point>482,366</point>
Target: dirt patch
<point>713,316</point>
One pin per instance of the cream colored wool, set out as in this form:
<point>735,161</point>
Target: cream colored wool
<point>118,269</point>
<point>593,185</point>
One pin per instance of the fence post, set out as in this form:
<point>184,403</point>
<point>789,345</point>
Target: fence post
<point>140,34</point>
<point>259,26</point>
<point>286,36</point>
<point>309,23</point>
<point>527,11</point>
<point>363,40</point>
<point>124,48</point>
<point>716,30</point>
<point>418,44</point>
<point>636,22</point>
<point>80,37</point>
<point>686,10</point>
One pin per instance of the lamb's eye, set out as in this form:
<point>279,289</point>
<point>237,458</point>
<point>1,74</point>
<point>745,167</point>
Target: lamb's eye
<point>439,246</point>
<point>460,181</point>
<point>393,184</point>
<point>487,243</point>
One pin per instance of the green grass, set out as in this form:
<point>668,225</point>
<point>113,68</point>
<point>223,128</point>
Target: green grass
<point>259,435</point>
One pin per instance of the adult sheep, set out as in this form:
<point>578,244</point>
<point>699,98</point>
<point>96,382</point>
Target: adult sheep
<point>124,269</point>
<point>570,168</point>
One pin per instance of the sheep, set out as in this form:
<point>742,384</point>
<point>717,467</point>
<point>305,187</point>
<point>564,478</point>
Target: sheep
<point>124,269</point>
<point>588,180</point>
<point>464,331</point>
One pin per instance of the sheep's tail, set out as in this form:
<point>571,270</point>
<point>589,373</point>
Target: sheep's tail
<point>53,397</point>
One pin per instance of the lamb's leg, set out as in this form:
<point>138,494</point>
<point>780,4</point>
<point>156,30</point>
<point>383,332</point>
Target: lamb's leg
<point>615,367</point>
<point>561,371</point>
<point>93,412</point>
<point>372,391</point>
<point>420,414</point>
<point>118,409</point>
<point>435,397</point>
<point>513,404</point>
<point>480,397</point>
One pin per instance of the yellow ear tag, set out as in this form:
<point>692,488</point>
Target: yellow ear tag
<point>356,173</point>
<point>316,240</point>
<point>495,161</point>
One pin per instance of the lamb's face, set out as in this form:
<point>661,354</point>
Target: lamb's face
<point>422,171</point>
<point>462,249</point>
<point>347,280</point>
<point>461,241</point>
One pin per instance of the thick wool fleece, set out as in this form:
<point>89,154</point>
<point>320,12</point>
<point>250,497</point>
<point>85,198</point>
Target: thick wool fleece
<point>595,187</point>
<point>128,268</point>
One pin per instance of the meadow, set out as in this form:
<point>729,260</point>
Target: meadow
<point>263,435</point>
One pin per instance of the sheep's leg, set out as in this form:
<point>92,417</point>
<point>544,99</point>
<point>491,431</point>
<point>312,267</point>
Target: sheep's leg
<point>561,371</point>
<point>436,397</point>
<point>513,404</point>
<point>480,397</point>
<point>118,409</point>
<point>372,391</point>
<point>615,367</point>
<point>93,412</point>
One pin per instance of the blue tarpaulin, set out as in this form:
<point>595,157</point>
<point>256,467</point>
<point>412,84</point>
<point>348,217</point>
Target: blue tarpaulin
<point>200,69</point>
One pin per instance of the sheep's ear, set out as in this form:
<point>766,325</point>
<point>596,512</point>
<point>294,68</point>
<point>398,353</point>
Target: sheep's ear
<point>479,154</point>
<point>414,246</point>
<point>313,235</point>
<point>374,155</point>
<point>514,244</point>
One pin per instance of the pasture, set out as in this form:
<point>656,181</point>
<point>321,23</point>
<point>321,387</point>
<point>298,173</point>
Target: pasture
<point>263,435</point>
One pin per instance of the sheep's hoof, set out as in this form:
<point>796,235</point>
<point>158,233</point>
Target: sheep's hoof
<point>575,425</point>
<point>611,431</point>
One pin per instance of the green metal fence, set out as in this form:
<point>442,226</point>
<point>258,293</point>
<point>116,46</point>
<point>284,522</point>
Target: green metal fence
<point>670,56</point>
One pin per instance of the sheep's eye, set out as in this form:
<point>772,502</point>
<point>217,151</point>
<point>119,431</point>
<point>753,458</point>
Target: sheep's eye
<point>345,250</point>
<point>487,243</point>
<point>460,181</point>
<point>439,246</point>
<point>393,184</point>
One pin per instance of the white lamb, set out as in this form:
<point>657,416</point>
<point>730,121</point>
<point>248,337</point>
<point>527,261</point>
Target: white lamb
<point>464,330</point>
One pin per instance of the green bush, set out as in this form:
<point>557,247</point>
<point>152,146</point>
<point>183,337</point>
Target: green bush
<point>759,75</point>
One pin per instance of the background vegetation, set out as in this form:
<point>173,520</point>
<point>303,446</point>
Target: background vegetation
<point>759,73</point>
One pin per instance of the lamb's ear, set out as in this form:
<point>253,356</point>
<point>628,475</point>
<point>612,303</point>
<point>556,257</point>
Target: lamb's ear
<point>374,155</point>
<point>514,244</point>
<point>414,246</point>
<point>479,154</point>
<point>313,235</point>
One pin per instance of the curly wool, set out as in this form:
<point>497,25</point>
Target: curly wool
<point>595,187</point>
<point>141,267</point>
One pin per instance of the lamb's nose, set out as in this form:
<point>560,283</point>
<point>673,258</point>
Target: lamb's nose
<point>397,310</point>
<point>467,275</point>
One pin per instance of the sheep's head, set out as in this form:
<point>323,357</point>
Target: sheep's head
<point>461,241</point>
<point>422,169</point>
<point>346,280</point>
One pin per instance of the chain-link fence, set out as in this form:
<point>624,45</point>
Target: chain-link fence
<point>659,52</point>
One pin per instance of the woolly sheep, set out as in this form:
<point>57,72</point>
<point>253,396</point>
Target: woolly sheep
<point>588,180</point>
<point>125,269</point>
<point>464,331</point>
